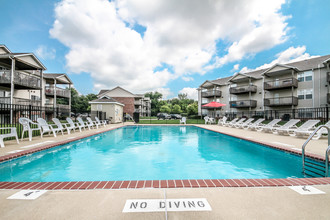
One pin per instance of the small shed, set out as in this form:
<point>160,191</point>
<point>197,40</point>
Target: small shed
<point>107,108</point>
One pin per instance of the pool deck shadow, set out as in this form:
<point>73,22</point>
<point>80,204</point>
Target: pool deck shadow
<point>226,202</point>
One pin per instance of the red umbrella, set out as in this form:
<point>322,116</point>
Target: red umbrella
<point>214,105</point>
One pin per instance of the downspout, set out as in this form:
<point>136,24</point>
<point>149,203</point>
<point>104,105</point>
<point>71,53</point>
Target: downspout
<point>12,88</point>
<point>55,112</point>
<point>319,85</point>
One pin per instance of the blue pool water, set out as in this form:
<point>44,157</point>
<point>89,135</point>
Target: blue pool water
<point>153,152</point>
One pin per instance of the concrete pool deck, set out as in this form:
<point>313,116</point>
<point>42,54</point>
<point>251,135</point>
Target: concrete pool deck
<point>226,203</point>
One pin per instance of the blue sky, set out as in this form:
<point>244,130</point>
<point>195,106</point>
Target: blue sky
<point>169,46</point>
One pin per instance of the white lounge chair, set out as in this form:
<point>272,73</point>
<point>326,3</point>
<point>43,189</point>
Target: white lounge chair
<point>253,125</point>
<point>47,128</point>
<point>26,123</point>
<point>206,119</point>
<point>183,120</point>
<point>318,134</point>
<point>75,125</point>
<point>222,121</point>
<point>268,127</point>
<point>92,123</point>
<point>64,126</point>
<point>238,122</point>
<point>231,122</point>
<point>284,128</point>
<point>103,122</point>
<point>13,133</point>
<point>307,126</point>
<point>245,123</point>
<point>83,124</point>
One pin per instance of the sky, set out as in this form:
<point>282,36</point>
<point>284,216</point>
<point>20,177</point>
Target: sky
<point>169,46</point>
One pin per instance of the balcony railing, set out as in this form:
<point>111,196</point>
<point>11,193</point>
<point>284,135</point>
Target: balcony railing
<point>243,89</point>
<point>21,80</point>
<point>282,101</point>
<point>137,102</point>
<point>19,101</point>
<point>211,93</point>
<point>281,84</point>
<point>50,91</point>
<point>243,104</point>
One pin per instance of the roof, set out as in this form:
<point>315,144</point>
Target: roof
<point>59,78</point>
<point>303,65</point>
<point>103,91</point>
<point>5,48</point>
<point>24,64</point>
<point>105,99</point>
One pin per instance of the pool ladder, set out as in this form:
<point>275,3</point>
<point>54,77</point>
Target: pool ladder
<point>314,168</point>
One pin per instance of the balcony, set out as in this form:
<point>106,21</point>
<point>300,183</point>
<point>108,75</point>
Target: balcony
<point>50,91</point>
<point>281,84</point>
<point>243,89</point>
<point>21,80</point>
<point>282,101</point>
<point>243,104</point>
<point>211,93</point>
<point>19,101</point>
<point>137,102</point>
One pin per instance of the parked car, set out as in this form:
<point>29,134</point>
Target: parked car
<point>176,116</point>
<point>163,116</point>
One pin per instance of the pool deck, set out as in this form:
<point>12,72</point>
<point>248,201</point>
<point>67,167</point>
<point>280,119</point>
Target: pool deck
<point>226,202</point>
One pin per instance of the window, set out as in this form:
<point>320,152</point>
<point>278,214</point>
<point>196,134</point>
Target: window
<point>305,94</point>
<point>305,76</point>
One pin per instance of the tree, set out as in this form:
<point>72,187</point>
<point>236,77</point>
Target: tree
<point>176,109</point>
<point>155,101</point>
<point>192,109</point>
<point>165,109</point>
<point>182,96</point>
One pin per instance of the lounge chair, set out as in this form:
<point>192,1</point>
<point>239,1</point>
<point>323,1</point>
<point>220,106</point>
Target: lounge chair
<point>268,127</point>
<point>103,122</point>
<point>64,126</point>
<point>318,134</point>
<point>183,120</point>
<point>75,125</point>
<point>83,124</point>
<point>238,122</point>
<point>13,133</point>
<point>26,123</point>
<point>307,126</point>
<point>222,121</point>
<point>206,119</point>
<point>253,125</point>
<point>92,123</point>
<point>290,125</point>
<point>245,123</point>
<point>47,128</point>
<point>231,122</point>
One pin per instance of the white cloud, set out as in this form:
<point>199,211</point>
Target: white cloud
<point>192,93</point>
<point>166,92</point>
<point>181,34</point>
<point>292,54</point>
<point>45,53</point>
<point>235,67</point>
<point>187,78</point>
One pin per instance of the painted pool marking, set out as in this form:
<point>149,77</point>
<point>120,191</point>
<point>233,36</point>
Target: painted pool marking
<point>306,190</point>
<point>33,145</point>
<point>27,194</point>
<point>169,205</point>
<point>288,145</point>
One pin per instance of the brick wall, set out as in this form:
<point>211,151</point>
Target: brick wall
<point>128,102</point>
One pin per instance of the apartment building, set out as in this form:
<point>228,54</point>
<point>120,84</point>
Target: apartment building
<point>132,102</point>
<point>296,85</point>
<point>24,83</point>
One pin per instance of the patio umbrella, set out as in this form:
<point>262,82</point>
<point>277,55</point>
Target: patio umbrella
<point>214,105</point>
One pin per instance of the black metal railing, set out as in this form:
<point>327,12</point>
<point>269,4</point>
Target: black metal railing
<point>20,79</point>
<point>243,104</point>
<point>243,89</point>
<point>281,84</point>
<point>281,101</point>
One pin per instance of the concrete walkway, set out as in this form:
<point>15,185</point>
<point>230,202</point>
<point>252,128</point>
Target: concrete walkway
<point>226,203</point>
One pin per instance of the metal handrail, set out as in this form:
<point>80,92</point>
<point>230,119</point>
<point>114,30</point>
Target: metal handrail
<point>327,152</point>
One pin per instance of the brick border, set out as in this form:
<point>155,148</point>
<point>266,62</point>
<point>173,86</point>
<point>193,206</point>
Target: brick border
<point>136,184</point>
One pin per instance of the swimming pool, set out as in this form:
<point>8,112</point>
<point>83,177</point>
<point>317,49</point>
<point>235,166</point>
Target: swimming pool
<point>153,152</point>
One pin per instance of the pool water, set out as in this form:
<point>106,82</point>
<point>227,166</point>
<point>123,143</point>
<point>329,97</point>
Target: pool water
<point>153,153</point>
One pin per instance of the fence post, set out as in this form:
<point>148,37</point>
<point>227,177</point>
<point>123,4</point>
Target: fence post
<point>327,109</point>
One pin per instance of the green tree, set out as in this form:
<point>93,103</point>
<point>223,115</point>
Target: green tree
<point>182,96</point>
<point>165,109</point>
<point>155,101</point>
<point>176,109</point>
<point>192,109</point>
